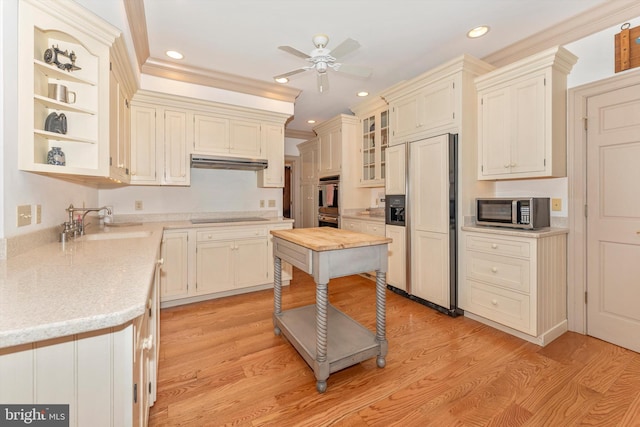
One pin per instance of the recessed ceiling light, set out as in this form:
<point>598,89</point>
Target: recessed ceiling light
<point>174,54</point>
<point>363,93</point>
<point>478,32</point>
<point>282,80</point>
<point>311,121</point>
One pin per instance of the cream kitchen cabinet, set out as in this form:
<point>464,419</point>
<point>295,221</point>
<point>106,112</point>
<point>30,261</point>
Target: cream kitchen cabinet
<point>107,376</point>
<point>120,128</point>
<point>80,124</point>
<point>227,136</point>
<point>228,259</point>
<point>273,175</point>
<point>365,225</point>
<point>516,281</point>
<point>160,138</point>
<point>522,117</point>
<point>174,276</point>
<point>374,140</point>
<point>335,138</point>
<point>287,269</point>
<point>396,179</point>
<point>308,184</point>
<point>397,260</point>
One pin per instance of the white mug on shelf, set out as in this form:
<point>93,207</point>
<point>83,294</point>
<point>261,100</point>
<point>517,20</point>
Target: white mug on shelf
<point>60,93</point>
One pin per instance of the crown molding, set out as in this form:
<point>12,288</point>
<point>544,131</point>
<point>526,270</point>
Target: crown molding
<point>299,134</point>
<point>138,27</point>
<point>589,22</point>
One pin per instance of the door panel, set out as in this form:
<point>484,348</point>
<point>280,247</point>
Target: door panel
<point>430,184</point>
<point>613,221</point>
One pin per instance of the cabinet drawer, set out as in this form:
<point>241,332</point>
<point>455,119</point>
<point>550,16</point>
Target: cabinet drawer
<point>511,273</point>
<point>498,246</point>
<point>230,234</point>
<point>352,225</point>
<point>500,305</point>
<point>375,229</point>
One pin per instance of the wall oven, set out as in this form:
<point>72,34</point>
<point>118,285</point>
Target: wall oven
<point>329,202</point>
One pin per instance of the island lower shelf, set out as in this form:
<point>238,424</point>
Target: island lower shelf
<point>348,342</point>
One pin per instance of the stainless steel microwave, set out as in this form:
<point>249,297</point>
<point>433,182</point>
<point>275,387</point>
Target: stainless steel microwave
<point>529,213</point>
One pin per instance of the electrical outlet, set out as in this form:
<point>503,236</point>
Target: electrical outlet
<point>262,203</point>
<point>272,203</point>
<point>138,205</point>
<point>38,214</point>
<point>24,215</point>
<point>556,204</point>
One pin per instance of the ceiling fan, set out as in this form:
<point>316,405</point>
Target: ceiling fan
<point>323,59</point>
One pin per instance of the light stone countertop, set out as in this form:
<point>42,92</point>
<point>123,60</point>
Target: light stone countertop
<point>516,232</point>
<point>364,217</point>
<point>83,285</point>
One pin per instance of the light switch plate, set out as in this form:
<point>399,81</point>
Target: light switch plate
<point>138,205</point>
<point>272,203</point>
<point>38,214</point>
<point>556,204</point>
<point>24,215</point>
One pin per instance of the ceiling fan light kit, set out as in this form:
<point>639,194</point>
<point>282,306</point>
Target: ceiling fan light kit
<point>322,59</point>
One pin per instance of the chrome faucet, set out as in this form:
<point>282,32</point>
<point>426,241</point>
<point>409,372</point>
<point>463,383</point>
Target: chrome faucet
<point>75,227</point>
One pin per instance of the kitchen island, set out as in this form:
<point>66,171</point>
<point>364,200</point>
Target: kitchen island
<point>326,338</point>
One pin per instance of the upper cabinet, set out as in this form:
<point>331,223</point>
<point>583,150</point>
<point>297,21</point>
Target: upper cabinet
<point>64,89</point>
<point>522,117</point>
<point>374,140</point>
<point>431,103</point>
<point>167,129</point>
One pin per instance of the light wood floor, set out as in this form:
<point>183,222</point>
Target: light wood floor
<point>221,364</point>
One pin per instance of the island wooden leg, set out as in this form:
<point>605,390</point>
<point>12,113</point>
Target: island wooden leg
<point>381,288</point>
<point>277,292</point>
<point>321,368</point>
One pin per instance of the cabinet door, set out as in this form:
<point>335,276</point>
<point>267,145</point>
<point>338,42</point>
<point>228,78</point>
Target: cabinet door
<point>273,175</point>
<point>528,126</point>
<point>309,158</point>
<point>119,133</point>
<point>174,272</point>
<point>397,267</point>
<point>495,132</point>
<point>250,262</point>
<point>214,266</point>
<point>143,145</point>
<point>375,229</point>
<point>368,150</point>
<point>308,193</point>
<point>211,134</point>
<point>429,169</point>
<point>176,152</point>
<point>245,139</point>
<point>436,106</point>
<point>395,181</point>
<point>404,118</point>
<point>330,146</point>
<point>430,267</point>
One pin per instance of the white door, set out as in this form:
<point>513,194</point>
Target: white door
<point>613,221</point>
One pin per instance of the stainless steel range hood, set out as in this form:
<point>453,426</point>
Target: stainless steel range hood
<point>220,162</point>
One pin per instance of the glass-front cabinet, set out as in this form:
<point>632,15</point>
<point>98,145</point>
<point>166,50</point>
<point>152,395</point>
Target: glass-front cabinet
<point>374,142</point>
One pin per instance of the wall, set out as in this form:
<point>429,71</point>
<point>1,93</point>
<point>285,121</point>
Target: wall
<point>18,187</point>
<point>595,62</point>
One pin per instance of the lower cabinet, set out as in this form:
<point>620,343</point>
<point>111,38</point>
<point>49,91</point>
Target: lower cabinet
<point>516,283</point>
<point>367,226</point>
<point>397,262</point>
<point>108,377</point>
<point>202,263</point>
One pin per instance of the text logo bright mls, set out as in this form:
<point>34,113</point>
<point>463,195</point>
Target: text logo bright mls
<point>34,415</point>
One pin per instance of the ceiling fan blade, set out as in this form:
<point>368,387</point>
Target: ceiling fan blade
<point>323,82</point>
<point>356,70</point>
<point>292,73</point>
<point>344,48</point>
<point>293,51</point>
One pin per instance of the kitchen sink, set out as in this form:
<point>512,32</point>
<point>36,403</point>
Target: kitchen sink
<point>116,235</point>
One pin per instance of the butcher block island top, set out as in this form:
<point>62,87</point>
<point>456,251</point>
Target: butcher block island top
<point>328,239</point>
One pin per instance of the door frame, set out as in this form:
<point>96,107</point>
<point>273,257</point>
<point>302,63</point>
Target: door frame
<point>577,186</point>
<point>294,162</point>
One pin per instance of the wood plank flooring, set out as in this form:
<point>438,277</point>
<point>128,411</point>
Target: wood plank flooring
<point>221,364</point>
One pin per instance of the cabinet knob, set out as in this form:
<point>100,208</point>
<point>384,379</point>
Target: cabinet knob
<point>494,246</point>
<point>506,166</point>
<point>160,261</point>
<point>513,165</point>
<point>494,302</point>
<point>209,236</point>
<point>147,343</point>
<point>494,269</point>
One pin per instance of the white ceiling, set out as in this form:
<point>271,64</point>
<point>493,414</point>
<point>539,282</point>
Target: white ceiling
<point>399,38</point>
